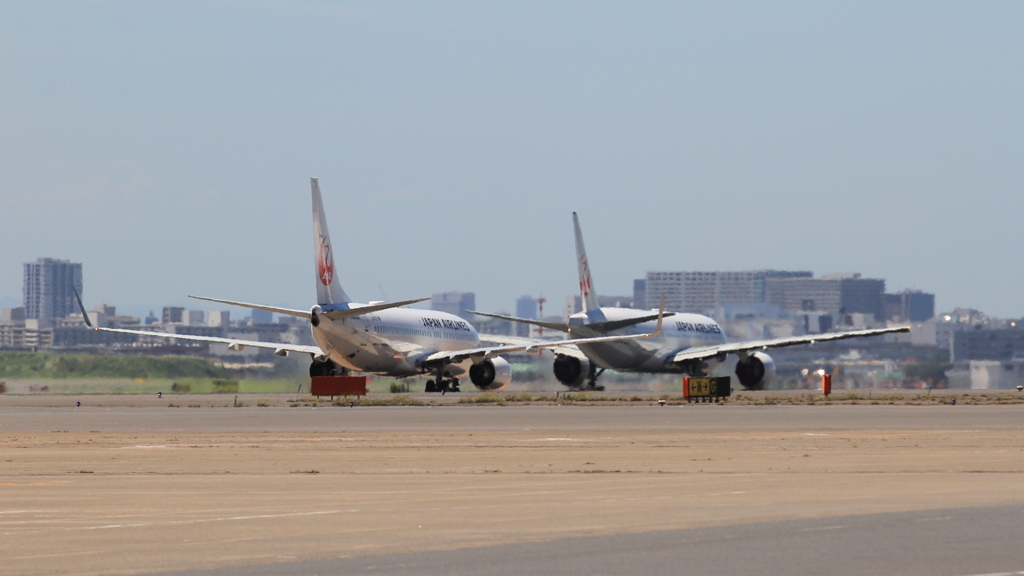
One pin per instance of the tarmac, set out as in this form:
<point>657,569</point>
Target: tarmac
<point>120,486</point>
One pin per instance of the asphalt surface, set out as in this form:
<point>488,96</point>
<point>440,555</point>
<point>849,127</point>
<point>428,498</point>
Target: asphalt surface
<point>456,418</point>
<point>945,542</point>
<point>698,489</point>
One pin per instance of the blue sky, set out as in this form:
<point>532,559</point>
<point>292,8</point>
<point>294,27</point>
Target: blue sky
<point>168,145</point>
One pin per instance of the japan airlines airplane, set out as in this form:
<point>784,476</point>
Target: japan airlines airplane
<point>384,338</point>
<point>690,343</point>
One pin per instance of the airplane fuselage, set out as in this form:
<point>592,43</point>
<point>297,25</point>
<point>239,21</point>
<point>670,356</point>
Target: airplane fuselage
<point>679,332</point>
<point>383,342</point>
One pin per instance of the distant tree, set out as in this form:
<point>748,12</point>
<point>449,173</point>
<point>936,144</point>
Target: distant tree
<point>933,369</point>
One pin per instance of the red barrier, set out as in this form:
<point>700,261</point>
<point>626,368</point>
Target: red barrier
<point>826,384</point>
<point>338,386</point>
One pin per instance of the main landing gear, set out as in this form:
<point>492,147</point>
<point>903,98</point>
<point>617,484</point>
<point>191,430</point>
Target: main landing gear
<point>443,382</point>
<point>592,375</point>
<point>326,368</point>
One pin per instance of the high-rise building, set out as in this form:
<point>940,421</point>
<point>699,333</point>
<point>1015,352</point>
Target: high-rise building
<point>49,288</point>
<point>173,314</point>
<point>640,293</point>
<point>910,305</point>
<point>262,316</point>
<point>526,307</point>
<point>219,318</point>
<point>454,303</point>
<point>193,317</point>
<point>832,293</point>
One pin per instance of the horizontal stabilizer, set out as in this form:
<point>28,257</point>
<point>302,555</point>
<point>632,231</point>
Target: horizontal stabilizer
<point>618,324</point>
<point>360,310</point>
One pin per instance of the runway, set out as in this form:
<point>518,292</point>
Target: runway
<point>484,489</point>
<point>945,542</point>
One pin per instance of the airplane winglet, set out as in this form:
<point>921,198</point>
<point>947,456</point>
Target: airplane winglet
<point>81,307</point>
<point>661,316</point>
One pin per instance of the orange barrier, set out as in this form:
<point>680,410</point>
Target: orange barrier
<point>826,384</point>
<point>338,386</point>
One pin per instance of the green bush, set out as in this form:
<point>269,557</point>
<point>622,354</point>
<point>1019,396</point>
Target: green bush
<point>45,366</point>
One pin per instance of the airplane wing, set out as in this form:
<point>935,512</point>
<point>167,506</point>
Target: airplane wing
<point>528,346</point>
<point>597,326</point>
<point>233,343</point>
<point>333,314</point>
<point>561,348</point>
<point>705,352</point>
<point>455,356</point>
<point>560,326</point>
<point>286,311</point>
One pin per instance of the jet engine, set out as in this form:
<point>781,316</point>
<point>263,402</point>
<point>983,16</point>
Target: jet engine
<point>570,370</point>
<point>756,371</point>
<point>491,374</point>
<point>325,368</point>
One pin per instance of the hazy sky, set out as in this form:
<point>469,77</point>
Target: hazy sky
<point>168,145</point>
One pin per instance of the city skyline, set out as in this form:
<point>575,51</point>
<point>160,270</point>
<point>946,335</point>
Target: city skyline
<point>171,153</point>
<point>704,292</point>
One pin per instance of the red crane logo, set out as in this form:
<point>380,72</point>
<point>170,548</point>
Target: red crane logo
<point>584,277</point>
<point>325,262</point>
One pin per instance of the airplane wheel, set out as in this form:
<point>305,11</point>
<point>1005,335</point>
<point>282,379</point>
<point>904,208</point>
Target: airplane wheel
<point>430,386</point>
<point>316,369</point>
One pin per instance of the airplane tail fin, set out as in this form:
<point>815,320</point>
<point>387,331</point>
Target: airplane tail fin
<point>586,282</point>
<point>328,287</point>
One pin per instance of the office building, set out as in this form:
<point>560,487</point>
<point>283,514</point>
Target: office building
<point>457,303</point>
<point>219,318</point>
<point>909,306</point>
<point>1001,345</point>
<point>173,314</point>
<point>262,316</point>
<point>640,293</point>
<point>526,307</point>
<point>49,288</point>
<point>701,292</point>
<point>831,293</point>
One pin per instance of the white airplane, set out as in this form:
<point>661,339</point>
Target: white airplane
<point>690,343</point>
<point>384,338</point>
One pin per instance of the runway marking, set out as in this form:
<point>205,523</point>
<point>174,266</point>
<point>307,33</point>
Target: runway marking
<point>34,483</point>
<point>207,520</point>
<point>836,527</point>
<point>999,574</point>
<point>935,518</point>
<point>36,556</point>
<point>108,526</point>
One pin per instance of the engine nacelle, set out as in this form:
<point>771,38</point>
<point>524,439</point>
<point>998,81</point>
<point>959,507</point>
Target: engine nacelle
<point>756,371</point>
<point>491,374</point>
<point>570,370</point>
